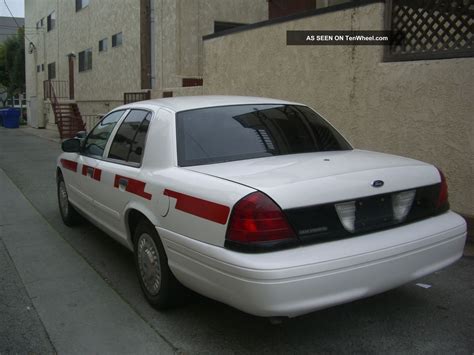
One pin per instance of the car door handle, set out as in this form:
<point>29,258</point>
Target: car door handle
<point>123,184</point>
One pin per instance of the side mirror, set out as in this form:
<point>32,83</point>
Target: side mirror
<point>72,145</point>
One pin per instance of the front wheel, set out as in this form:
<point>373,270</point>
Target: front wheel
<point>69,215</point>
<point>158,283</point>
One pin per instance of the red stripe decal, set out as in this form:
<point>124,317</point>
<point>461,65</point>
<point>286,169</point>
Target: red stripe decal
<point>69,164</point>
<point>133,186</point>
<point>84,170</point>
<point>198,207</point>
<point>92,172</point>
<point>97,174</point>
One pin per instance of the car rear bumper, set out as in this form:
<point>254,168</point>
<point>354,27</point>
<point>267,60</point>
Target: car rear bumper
<point>301,280</point>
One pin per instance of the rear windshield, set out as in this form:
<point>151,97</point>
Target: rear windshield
<point>228,133</point>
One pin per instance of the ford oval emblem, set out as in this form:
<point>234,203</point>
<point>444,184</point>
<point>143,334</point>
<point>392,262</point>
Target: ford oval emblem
<point>377,183</point>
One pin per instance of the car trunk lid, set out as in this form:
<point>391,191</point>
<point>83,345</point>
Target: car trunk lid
<point>299,180</point>
<point>334,195</point>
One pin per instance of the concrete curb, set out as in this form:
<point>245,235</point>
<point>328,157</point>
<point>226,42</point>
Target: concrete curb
<point>81,313</point>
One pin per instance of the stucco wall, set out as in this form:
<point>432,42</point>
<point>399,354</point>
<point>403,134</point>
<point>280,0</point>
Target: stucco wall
<point>118,69</point>
<point>77,31</point>
<point>178,27</point>
<point>113,72</point>
<point>420,109</point>
<point>34,11</point>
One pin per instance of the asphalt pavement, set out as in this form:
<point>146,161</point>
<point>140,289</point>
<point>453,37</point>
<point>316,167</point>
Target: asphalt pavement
<point>74,290</point>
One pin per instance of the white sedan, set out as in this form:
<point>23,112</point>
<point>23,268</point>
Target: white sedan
<point>258,203</point>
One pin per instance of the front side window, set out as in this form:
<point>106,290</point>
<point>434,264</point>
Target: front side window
<point>97,139</point>
<point>228,133</point>
<point>85,60</point>
<point>51,21</point>
<point>51,71</point>
<point>117,39</point>
<point>129,141</point>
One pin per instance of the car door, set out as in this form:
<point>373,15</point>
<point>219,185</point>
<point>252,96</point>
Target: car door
<point>121,171</point>
<point>88,174</point>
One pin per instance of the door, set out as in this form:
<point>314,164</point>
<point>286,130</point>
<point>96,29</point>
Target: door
<point>121,169</point>
<point>34,118</point>
<point>90,176</point>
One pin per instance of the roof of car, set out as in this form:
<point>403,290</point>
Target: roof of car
<point>184,103</point>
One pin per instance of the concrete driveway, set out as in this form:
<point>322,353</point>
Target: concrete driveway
<point>410,319</point>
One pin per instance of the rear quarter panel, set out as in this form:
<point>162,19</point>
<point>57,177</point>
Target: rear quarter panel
<point>183,201</point>
<point>194,205</point>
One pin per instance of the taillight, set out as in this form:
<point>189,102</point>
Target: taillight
<point>257,219</point>
<point>443,191</point>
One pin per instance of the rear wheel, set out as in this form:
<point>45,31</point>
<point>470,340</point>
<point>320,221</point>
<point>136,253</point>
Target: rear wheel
<point>69,215</point>
<point>158,283</point>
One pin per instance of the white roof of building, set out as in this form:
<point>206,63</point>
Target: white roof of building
<point>183,103</point>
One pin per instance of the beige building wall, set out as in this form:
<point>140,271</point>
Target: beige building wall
<point>421,109</point>
<point>180,26</point>
<point>177,30</point>
<point>41,57</point>
<point>113,72</point>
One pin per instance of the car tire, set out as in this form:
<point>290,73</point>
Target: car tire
<point>161,289</point>
<point>68,213</point>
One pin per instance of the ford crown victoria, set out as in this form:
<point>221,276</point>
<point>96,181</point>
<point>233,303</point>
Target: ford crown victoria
<point>257,203</point>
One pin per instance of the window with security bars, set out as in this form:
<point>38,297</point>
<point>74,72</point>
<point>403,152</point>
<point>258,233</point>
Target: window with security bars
<point>430,29</point>
<point>85,60</point>
<point>117,39</point>
<point>51,71</point>
<point>103,45</point>
<point>80,4</point>
<point>51,21</point>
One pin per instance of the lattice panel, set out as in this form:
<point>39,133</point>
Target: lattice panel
<point>429,29</point>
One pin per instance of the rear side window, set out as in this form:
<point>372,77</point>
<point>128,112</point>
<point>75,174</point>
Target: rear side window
<point>228,133</point>
<point>129,141</point>
<point>97,139</point>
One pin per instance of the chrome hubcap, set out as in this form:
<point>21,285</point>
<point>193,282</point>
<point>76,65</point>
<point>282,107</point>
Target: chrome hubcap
<point>63,200</point>
<point>149,264</point>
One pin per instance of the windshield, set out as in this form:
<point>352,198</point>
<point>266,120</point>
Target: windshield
<point>228,133</point>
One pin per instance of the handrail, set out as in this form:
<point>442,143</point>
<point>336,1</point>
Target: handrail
<point>60,87</point>
<point>66,115</point>
<point>129,97</point>
<point>50,93</point>
<point>90,120</point>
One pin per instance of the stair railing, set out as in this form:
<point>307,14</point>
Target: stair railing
<point>65,121</point>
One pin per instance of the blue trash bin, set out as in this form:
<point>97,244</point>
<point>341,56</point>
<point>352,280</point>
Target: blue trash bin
<point>3,113</point>
<point>12,118</point>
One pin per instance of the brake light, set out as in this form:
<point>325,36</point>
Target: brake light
<point>443,191</point>
<point>256,219</point>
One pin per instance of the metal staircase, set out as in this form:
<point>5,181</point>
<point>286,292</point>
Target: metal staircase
<point>66,114</point>
<point>68,118</point>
